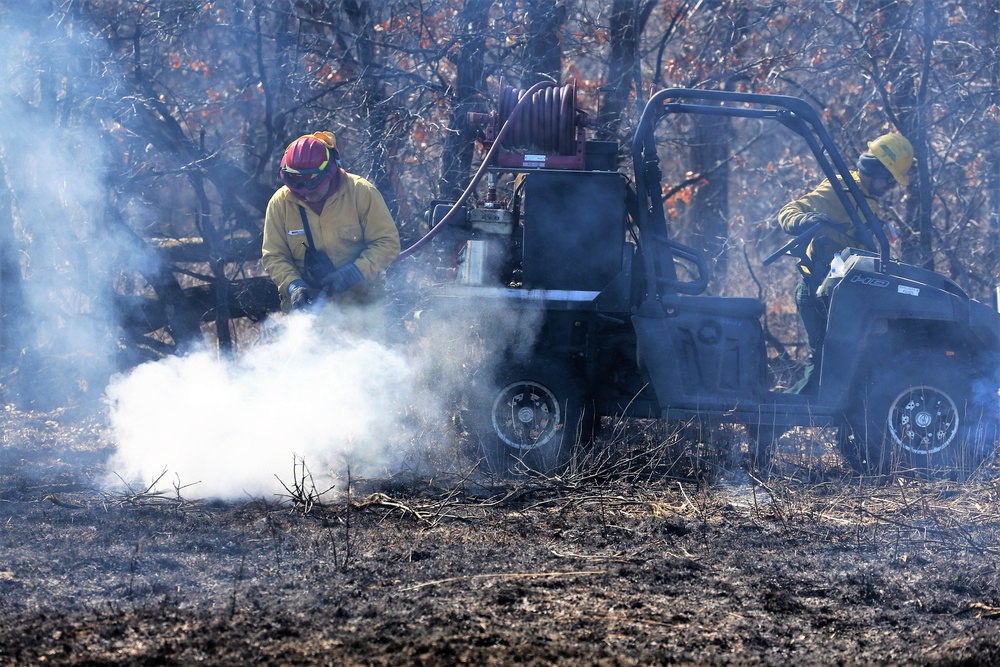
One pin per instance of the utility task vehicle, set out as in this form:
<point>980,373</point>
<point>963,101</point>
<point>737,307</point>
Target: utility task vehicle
<point>909,373</point>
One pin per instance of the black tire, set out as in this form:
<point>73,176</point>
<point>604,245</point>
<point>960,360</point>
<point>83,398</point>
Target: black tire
<point>927,414</point>
<point>530,420</point>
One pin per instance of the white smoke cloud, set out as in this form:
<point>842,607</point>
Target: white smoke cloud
<point>313,392</point>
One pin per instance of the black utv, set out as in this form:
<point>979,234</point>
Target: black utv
<point>623,327</point>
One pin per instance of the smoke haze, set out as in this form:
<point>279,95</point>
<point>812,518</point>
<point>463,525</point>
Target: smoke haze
<point>313,392</point>
<point>56,342</point>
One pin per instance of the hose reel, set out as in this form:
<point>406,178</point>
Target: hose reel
<point>547,131</point>
<point>546,124</point>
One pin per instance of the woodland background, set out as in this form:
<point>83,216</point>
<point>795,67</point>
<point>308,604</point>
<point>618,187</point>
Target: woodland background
<point>139,141</point>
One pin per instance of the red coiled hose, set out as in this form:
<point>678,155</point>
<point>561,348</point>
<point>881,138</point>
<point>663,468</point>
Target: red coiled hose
<point>518,102</point>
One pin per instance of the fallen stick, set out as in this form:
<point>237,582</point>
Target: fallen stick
<point>521,575</point>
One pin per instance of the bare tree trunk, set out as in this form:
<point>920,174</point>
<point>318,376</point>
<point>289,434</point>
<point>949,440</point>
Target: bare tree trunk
<point>217,265</point>
<point>628,20</point>
<point>542,52</point>
<point>897,71</point>
<point>709,212</point>
<point>710,153</point>
<point>621,61</point>
<point>470,80</point>
<point>374,99</point>
<point>910,101</point>
<point>919,206</point>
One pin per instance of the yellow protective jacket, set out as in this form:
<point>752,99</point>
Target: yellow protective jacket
<point>354,226</point>
<point>828,241</point>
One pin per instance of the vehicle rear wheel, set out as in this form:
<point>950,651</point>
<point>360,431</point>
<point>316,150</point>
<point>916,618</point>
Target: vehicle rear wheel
<point>932,416</point>
<point>531,420</point>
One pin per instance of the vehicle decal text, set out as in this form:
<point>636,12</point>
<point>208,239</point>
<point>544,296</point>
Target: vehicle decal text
<point>870,281</point>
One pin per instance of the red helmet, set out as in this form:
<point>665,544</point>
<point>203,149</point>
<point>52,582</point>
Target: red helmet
<point>306,163</point>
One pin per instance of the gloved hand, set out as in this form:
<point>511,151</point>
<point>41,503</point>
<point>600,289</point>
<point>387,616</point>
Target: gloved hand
<point>343,278</point>
<point>810,219</point>
<point>299,294</point>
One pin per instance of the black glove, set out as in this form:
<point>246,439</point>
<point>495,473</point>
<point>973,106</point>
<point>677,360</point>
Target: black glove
<point>810,219</point>
<point>299,294</point>
<point>343,278</point>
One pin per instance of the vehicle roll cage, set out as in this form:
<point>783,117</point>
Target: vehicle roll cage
<point>791,112</point>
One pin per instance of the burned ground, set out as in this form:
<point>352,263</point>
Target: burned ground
<point>608,565</point>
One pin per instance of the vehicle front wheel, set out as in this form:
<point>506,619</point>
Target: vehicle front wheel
<point>935,416</point>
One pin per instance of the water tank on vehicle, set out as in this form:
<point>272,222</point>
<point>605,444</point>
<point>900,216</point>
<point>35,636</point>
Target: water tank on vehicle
<point>574,229</point>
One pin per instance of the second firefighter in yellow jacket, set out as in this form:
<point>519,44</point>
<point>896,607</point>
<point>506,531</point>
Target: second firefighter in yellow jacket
<point>882,167</point>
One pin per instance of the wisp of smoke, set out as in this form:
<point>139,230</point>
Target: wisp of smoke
<point>313,392</point>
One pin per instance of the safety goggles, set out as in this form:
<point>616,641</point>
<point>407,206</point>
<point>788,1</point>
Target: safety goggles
<point>303,179</point>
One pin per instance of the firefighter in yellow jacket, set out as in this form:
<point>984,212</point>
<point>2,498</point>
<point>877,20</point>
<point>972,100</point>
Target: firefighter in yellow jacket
<point>326,232</point>
<point>881,168</point>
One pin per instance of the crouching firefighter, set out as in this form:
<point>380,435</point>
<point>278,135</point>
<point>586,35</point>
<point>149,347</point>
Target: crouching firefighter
<point>881,168</point>
<point>327,233</point>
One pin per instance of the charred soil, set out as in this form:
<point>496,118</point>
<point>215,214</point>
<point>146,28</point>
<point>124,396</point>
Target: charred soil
<point>609,565</point>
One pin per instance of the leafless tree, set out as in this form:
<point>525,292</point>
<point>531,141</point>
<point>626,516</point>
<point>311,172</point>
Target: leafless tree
<point>175,115</point>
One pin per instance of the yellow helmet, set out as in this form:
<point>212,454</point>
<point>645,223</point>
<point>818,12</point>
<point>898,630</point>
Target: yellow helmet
<point>896,153</point>
<point>327,138</point>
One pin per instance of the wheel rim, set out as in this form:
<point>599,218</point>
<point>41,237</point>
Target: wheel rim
<point>923,420</point>
<point>526,415</point>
